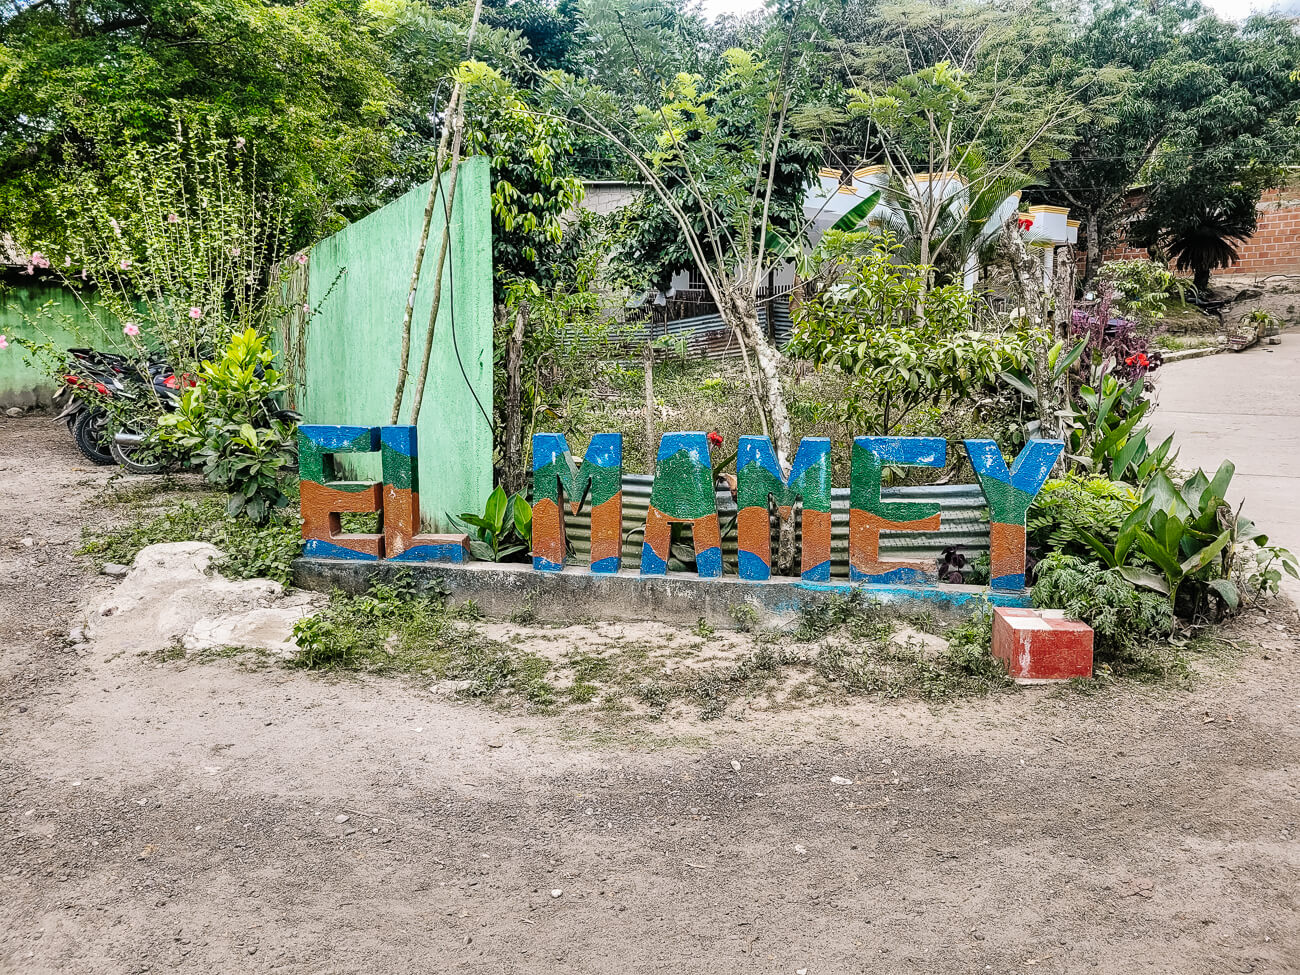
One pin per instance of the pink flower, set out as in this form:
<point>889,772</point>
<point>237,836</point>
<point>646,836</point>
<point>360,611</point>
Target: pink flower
<point>306,308</point>
<point>39,260</point>
<point>173,218</point>
<point>4,343</point>
<point>131,328</point>
<point>67,261</point>
<point>301,258</point>
<point>240,143</point>
<point>234,252</point>
<point>196,313</point>
<point>125,264</point>
<point>117,228</point>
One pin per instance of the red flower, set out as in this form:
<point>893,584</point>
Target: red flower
<point>1143,361</point>
<point>715,439</point>
<point>1130,360</point>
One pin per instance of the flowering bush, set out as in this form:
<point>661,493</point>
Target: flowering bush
<point>191,258</point>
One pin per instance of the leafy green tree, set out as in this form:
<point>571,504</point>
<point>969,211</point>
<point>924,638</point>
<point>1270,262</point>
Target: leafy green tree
<point>533,183</point>
<point>939,122</point>
<point>306,80</point>
<point>1200,226</point>
<point>1204,106</point>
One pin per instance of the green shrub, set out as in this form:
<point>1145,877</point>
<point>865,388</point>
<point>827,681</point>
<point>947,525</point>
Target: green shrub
<point>1123,617</point>
<point>1078,503</point>
<point>251,551</point>
<point>1142,288</point>
<point>224,424</point>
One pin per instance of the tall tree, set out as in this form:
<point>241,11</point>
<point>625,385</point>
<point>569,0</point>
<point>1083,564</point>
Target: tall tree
<point>307,81</point>
<point>1201,102</point>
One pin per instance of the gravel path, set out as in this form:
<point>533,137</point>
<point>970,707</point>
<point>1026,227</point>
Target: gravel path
<point>167,816</point>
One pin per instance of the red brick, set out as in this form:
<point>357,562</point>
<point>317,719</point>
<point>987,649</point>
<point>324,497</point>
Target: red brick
<point>1041,645</point>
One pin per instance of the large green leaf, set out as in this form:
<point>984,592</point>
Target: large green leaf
<point>523,518</point>
<point>1063,366</point>
<point>1206,555</point>
<point>1227,590</point>
<point>1222,478</point>
<point>1125,455</point>
<point>1148,580</point>
<point>495,511</point>
<point>1021,384</point>
<point>1160,556</point>
<point>1100,548</point>
<point>857,214</point>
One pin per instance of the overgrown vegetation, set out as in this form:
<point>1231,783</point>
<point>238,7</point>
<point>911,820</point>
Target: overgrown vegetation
<point>251,551</point>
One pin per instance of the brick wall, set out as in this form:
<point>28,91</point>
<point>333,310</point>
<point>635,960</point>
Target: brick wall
<point>1275,248</point>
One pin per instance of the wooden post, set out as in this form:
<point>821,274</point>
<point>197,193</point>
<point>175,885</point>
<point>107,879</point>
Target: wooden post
<point>651,440</point>
<point>514,453</point>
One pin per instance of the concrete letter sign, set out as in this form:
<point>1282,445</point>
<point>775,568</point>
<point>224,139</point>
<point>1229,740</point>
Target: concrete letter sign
<point>759,480</point>
<point>682,492</point>
<point>869,516</point>
<point>397,499</point>
<point>556,479</point>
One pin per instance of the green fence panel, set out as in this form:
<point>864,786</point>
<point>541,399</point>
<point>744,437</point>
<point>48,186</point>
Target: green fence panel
<point>43,311</point>
<point>347,354</point>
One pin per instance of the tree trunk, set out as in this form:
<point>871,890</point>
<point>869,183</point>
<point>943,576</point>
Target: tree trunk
<point>1063,272</point>
<point>651,438</point>
<point>1092,256</point>
<point>1201,280</point>
<point>740,311</point>
<point>514,446</point>
<point>1036,300</point>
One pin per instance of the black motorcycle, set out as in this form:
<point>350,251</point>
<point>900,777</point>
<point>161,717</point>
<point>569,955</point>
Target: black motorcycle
<point>90,381</point>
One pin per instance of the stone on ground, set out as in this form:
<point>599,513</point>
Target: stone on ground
<point>173,595</point>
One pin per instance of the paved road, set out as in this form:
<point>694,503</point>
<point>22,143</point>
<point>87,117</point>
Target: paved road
<point>1244,407</point>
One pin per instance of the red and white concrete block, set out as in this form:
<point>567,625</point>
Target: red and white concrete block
<point>1040,645</point>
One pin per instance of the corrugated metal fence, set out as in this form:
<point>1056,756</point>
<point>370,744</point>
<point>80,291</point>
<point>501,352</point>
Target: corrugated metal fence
<point>964,514</point>
<point>706,336</point>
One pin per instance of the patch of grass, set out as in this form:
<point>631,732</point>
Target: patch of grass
<point>395,629</point>
<point>251,551</point>
<point>525,614</point>
<point>822,617</point>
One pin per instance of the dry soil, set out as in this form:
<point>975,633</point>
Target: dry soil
<point>171,816</point>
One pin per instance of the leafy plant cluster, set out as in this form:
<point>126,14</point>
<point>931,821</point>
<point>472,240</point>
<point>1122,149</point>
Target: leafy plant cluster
<point>504,530</point>
<point>228,423</point>
<point>251,550</point>
<point>1142,289</point>
<point>900,343</point>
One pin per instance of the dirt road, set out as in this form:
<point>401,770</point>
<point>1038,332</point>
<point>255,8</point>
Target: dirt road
<point>163,816</point>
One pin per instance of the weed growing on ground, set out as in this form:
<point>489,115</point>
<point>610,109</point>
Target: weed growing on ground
<point>745,617</point>
<point>251,551</point>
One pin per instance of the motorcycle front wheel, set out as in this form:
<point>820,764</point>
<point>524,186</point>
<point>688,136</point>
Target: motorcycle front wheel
<point>91,433</point>
<point>135,459</point>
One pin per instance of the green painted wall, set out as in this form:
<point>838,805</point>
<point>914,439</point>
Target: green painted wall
<point>59,318</point>
<point>351,348</point>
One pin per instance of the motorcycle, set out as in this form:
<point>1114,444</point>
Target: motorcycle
<point>91,379</point>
